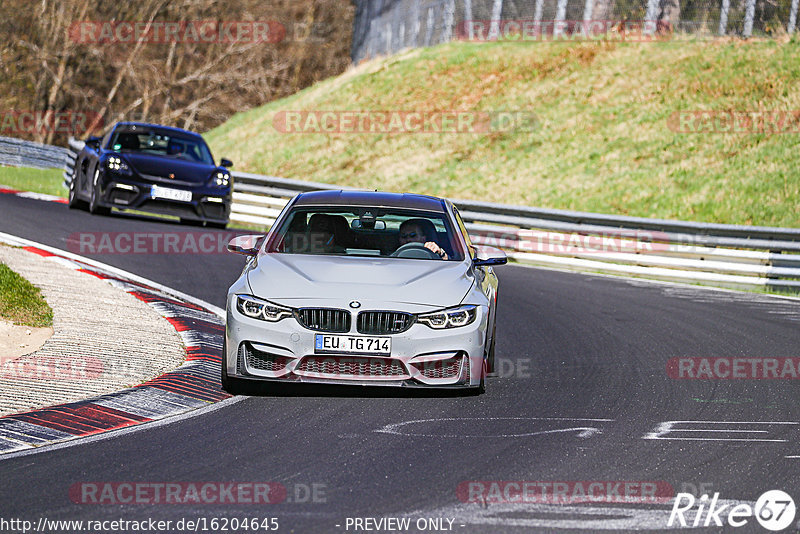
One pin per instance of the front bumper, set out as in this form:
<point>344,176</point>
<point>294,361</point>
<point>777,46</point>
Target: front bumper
<point>284,351</point>
<point>207,204</point>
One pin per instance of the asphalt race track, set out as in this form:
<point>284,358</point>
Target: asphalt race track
<point>582,393</point>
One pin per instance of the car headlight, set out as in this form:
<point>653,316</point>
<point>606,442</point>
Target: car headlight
<point>222,179</point>
<point>450,318</point>
<point>261,309</point>
<point>116,164</point>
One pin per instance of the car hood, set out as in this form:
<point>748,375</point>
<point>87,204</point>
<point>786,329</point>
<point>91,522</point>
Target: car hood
<point>163,166</point>
<point>298,277</point>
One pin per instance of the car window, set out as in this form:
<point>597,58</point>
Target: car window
<point>162,144</point>
<point>365,231</point>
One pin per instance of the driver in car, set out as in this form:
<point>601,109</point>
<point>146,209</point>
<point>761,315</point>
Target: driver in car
<point>420,231</point>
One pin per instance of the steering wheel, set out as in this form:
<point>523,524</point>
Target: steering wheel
<point>415,250</point>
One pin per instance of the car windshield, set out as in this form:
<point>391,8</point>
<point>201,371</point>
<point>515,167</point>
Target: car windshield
<point>162,144</point>
<point>365,231</point>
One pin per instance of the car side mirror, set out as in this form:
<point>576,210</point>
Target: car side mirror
<point>486,255</point>
<point>93,141</point>
<point>225,163</point>
<point>245,244</point>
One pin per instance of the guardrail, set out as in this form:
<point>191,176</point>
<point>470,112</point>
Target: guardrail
<point>735,256</point>
<point>717,254</point>
<point>21,153</point>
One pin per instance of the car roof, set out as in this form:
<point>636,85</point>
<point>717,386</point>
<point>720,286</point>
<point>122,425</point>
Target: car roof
<point>376,199</point>
<point>150,126</point>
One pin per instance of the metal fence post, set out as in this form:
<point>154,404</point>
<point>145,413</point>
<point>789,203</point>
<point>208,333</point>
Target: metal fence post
<point>371,35</point>
<point>466,28</point>
<point>792,18</point>
<point>723,17</point>
<point>429,28</point>
<point>494,27</point>
<point>388,35</point>
<point>395,16</point>
<point>449,16</point>
<point>415,24</point>
<point>650,17</point>
<point>587,10</point>
<point>749,14</point>
<point>561,10</point>
<point>537,12</point>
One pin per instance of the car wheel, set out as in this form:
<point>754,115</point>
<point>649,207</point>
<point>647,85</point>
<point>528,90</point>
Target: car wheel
<point>191,222</point>
<point>94,200</point>
<point>74,201</point>
<point>220,225</point>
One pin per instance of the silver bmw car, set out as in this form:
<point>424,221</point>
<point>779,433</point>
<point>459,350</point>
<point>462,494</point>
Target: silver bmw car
<point>363,288</point>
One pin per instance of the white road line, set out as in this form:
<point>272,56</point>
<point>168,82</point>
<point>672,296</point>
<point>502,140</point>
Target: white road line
<point>664,428</point>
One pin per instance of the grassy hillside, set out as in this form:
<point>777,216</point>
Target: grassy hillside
<point>601,142</point>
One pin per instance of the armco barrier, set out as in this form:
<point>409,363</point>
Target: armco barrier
<point>713,254</point>
<point>29,154</point>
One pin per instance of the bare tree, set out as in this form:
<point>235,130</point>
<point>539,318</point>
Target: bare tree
<point>185,82</point>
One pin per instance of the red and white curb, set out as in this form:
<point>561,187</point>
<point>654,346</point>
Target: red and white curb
<point>36,196</point>
<point>192,386</point>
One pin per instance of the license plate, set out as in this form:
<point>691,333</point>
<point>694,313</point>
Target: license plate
<point>170,194</point>
<point>327,343</point>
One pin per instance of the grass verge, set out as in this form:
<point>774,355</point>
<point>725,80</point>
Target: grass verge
<point>47,181</point>
<point>21,302</point>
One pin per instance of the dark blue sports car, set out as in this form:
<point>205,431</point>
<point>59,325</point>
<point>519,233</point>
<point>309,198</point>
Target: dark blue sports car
<point>155,169</point>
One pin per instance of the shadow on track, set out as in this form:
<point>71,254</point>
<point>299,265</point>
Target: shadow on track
<point>274,389</point>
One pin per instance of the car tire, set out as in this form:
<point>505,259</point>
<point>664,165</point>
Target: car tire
<point>219,225</point>
<point>73,201</point>
<point>94,207</point>
<point>191,222</point>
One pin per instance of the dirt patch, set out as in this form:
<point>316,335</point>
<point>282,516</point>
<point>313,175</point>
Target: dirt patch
<point>16,341</point>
